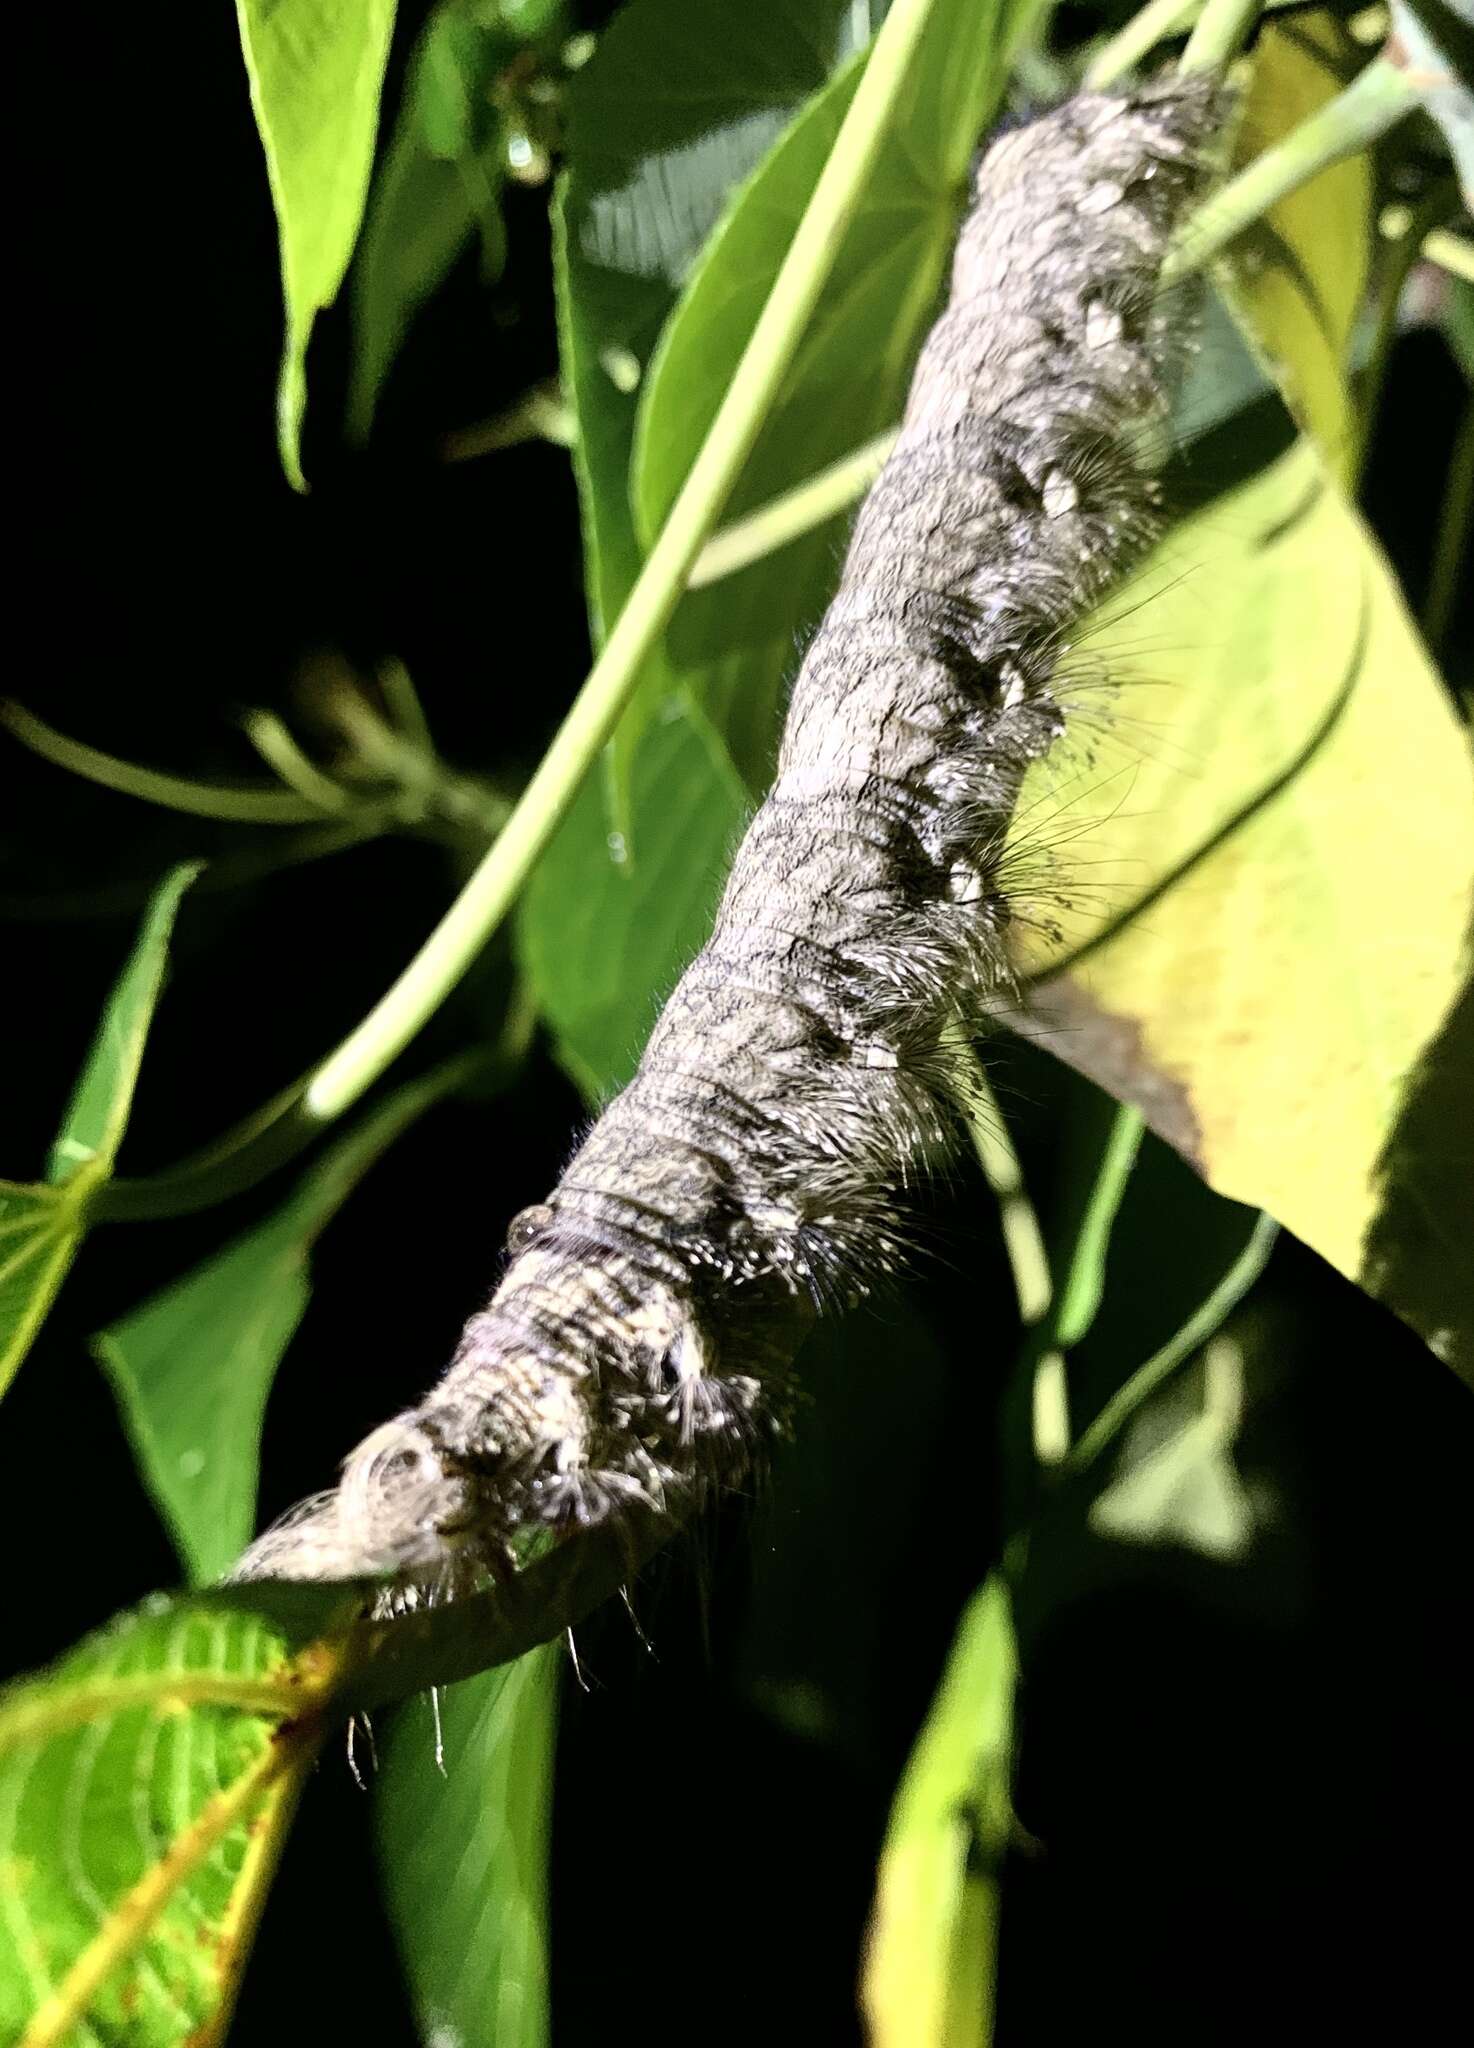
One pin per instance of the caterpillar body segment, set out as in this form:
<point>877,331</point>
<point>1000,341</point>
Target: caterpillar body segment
<point>756,1169</point>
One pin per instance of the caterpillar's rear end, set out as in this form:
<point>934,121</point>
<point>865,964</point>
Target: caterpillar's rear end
<point>757,1168</point>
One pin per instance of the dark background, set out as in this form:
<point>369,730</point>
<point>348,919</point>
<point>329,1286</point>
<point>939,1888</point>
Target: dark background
<point>1248,1788</point>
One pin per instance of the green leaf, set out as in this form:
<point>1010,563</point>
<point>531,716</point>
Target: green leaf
<point>92,1129</point>
<point>42,1225</point>
<point>316,68</point>
<point>602,940</point>
<point>40,1229</point>
<point>441,179</point>
<point>146,1784</point>
<point>192,1367</point>
<point>462,1818</point>
<point>1175,1481</point>
<point>674,109</point>
<point>191,1370</point>
<point>932,1949</point>
<point>1269,938</point>
<point>849,378</point>
<point>1298,279</point>
<point>673,112</point>
<point>147,1780</point>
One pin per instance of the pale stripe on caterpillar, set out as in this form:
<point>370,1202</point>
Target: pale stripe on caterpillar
<point>756,1170</point>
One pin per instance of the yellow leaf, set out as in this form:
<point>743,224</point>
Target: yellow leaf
<point>1277,847</point>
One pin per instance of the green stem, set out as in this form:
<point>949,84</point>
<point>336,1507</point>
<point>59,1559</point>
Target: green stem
<point>1023,1240</point>
<point>1195,1332</point>
<point>794,512</point>
<point>1219,34</point>
<point>1451,252</point>
<point>1084,1282</point>
<point>1403,244</point>
<point>1155,23</point>
<point>269,736</point>
<point>174,792</point>
<point>1125,50</point>
<point>1075,1305</point>
<point>497,881</point>
<point>1039,1397</point>
<point>539,415</point>
<point>283,1129</point>
<point>405,708</point>
<point>242,1159</point>
<point>1374,101</point>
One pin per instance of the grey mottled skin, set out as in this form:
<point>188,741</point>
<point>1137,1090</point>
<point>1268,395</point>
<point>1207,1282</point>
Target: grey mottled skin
<point>755,1170</point>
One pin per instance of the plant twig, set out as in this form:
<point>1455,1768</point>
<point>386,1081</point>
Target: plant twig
<point>1084,1281</point>
<point>1023,1240</point>
<point>277,748</point>
<point>1151,25</point>
<point>173,792</point>
<point>280,1131</point>
<point>1219,34</point>
<point>1451,544</point>
<point>1195,1332</point>
<point>1451,252</point>
<point>1075,1304</point>
<point>1375,101</point>
<point>792,513</point>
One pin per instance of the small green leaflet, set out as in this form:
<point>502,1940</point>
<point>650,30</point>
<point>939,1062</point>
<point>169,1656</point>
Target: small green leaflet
<point>932,1949</point>
<point>193,1366</point>
<point>41,1224</point>
<point>146,1784</point>
<point>441,179</point>
<point>316,69</point>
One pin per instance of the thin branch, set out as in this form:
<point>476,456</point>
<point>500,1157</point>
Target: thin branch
<point>1125,50</point>
<point>1023,1240</point>
<point>1451,252</point>
<point>173,792</point>
<point>1404,232</point>
<point>1219,35</point>
<point>1195,1332</point>
<point>277,748</point>
<point>793,513</point>
<point>1084,1282</point>
<point>1375,101</point>
<point>405,708</point>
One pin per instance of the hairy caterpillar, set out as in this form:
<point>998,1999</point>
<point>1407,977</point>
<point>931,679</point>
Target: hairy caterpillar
<point>796,1085</point>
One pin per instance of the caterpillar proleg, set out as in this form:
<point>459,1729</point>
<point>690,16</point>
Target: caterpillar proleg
<point>756,1169</point>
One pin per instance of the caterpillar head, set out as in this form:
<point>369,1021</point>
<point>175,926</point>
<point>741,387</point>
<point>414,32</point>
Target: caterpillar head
<point>587,1387</point>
